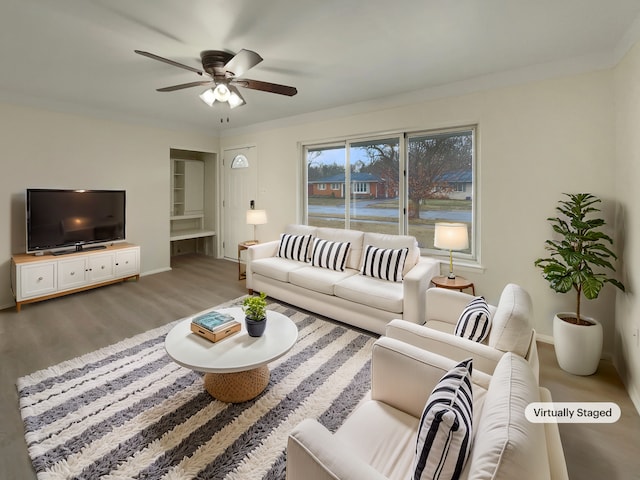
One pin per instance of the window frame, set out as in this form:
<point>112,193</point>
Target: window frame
<point>403,137</point>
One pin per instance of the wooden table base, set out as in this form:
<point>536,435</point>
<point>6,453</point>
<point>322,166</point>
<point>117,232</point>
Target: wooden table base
<point>237,387</point>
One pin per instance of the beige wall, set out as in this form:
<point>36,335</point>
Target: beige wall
<point>535,142</point>
<point>55,150</point>
<point>627,167</point>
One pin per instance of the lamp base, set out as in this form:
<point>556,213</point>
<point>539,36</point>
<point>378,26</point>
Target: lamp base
<point>451,276</point>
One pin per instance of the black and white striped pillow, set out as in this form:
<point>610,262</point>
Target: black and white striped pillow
<point>445,432</point>
<point>294,247</point>
<point>384,263</point>
<point>475,320</point>
<point>328,254</point>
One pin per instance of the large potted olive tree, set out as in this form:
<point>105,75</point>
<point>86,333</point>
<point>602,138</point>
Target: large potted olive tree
<point>579,261</point>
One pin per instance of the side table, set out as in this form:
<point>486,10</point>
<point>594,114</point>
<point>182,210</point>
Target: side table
<point>458,283</point>
<point>243,246</point>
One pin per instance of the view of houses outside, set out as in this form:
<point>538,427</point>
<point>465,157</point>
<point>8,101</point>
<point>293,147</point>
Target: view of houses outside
<point>439,186</point>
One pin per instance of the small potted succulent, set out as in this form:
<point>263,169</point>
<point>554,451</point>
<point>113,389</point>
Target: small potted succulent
<point>255,310</point>
<point>579,261</point>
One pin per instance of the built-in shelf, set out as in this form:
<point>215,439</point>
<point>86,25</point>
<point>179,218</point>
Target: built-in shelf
<point>188,234</point>
<point>186,217</point>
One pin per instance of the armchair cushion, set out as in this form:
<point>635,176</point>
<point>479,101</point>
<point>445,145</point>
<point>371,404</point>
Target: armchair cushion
<point>475,320</point>
<point>384,263</point>
<point>445,431</point>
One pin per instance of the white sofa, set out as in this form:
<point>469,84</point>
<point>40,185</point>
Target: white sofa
<point>378,440</point>
<point>510,331</point>
<point>363,301</point>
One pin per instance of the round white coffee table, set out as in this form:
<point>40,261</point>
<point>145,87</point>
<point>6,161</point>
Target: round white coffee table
<point>236,366</point>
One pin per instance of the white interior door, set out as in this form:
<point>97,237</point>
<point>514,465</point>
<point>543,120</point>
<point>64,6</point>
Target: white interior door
<point>240,188</point>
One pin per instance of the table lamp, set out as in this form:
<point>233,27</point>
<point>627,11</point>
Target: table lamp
<point>256,217</point>
<point>451,236</point>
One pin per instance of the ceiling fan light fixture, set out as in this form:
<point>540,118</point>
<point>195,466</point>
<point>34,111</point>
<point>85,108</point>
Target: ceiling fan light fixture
<point>222,93</point>
<point>235,99</point>
<point>208,97</point>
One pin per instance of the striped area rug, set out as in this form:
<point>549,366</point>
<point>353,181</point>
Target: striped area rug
<point>127,411</point>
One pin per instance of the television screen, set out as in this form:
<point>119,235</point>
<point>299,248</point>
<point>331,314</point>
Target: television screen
<point>63,218</point>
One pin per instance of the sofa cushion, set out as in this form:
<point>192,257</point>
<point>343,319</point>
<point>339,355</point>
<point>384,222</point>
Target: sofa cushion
<point>384,263</point>
<point>354,237</point>
<point>445,431</point>
<point>475,320</point>
<point>511,328</point>
<point>319,279</point>
<point>294,247</point>
<point>383,240</point>
<point>506,445</point>
<point>371,291</point>
<point>328,254</point>
<point>276,268</point>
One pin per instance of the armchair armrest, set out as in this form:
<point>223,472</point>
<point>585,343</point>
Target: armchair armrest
<point>403,375</point>
<point>313,453</point>
<point>446,305</point>
<point>415,285</point>
<point>484,357</point>
<point>557,462</point>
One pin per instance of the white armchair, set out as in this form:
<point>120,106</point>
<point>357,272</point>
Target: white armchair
<point>378,440</point>
<point>511,329</point>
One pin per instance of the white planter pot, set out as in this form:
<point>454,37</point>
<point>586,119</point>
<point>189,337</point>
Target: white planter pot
<point>578,347</point>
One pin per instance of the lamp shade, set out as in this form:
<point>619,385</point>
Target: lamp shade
<point>256,217</point>
<point>451,236</point>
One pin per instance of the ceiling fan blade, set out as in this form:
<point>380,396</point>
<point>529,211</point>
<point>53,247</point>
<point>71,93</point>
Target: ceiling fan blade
<point>242,61</point>
<point>185,85</point>
<point>170,62</point>
<point>266,86</point>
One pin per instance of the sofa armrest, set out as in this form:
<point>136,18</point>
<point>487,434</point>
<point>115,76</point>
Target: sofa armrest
<point>256,252</point>
<point>313,453</point>
<point>262,250</point>
<point>484,357</point>
<point>557,462</point>
<point>415,284</point>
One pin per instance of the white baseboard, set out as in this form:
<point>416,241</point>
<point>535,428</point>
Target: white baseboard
<point>153,272</point>
<point>544,338</point>
<point>8,305</point>
<point>635,396</point>
<point>549,339</point>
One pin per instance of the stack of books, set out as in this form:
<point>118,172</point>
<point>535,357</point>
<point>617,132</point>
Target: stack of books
<point>214,326</point>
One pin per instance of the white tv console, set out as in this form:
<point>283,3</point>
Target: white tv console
<point>40,277</point>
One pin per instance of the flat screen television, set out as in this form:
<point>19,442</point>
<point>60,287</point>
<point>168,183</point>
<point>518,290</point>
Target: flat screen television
<point>73,218</point>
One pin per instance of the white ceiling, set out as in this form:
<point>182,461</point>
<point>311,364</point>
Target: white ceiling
<point>77,55</point>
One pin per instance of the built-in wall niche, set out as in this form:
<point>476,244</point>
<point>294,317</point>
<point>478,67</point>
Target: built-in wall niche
<point>192,212</point>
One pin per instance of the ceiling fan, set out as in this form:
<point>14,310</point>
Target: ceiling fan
<point>221,70</point>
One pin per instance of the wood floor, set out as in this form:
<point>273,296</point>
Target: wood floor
<point>46,333</point>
